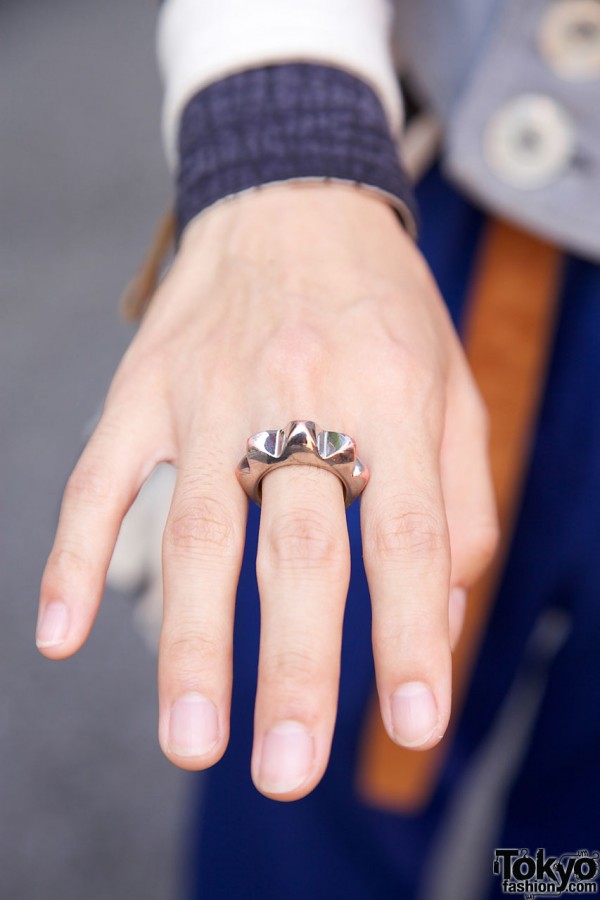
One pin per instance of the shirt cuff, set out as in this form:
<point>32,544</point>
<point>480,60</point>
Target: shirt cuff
<point>284,123</point>
<point>203,41</point>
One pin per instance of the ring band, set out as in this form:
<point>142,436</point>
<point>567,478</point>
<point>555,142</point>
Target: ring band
<point>302,443</point>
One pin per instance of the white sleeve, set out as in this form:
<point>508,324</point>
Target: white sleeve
<point>202,41</point>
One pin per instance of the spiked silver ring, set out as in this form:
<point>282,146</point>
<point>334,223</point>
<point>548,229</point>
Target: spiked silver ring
<point>302,443</point>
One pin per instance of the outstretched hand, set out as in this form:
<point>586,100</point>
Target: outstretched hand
<point>289,303</point>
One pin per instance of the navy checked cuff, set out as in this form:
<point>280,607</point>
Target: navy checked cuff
<point>285,123</point>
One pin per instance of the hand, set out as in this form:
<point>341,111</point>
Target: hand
<point>290,302</point>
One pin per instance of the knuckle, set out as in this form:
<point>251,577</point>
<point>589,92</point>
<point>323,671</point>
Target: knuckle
<point>201,526</point>
<point>295,348</point>
<point>391,374</point>
<point>417,638</point>
<point>65,566</point>
<point>397,359</point>
<point>413,379</point>
<point>188,652</point>
<point>289,671</point>
<point>414,534</point>
<point>303,539</point>
<point>89,483</point>
<point>415,371</point>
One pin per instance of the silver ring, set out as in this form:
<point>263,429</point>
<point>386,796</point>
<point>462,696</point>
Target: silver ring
<point>302,443</point>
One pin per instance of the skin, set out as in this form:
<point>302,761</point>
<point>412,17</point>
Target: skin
<point>289,302</point>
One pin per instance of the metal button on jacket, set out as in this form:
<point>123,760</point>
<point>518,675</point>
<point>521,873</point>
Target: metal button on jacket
<point>569,39</point>
<point>529,141</point>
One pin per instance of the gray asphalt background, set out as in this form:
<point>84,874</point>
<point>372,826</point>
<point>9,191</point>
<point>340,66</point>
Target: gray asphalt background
<point>89,808</point>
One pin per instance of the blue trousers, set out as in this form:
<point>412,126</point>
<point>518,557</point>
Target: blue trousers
<point>331,844</point>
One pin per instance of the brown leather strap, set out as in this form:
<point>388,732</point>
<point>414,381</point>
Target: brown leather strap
<point>139,291</point>
<point>510,326</point>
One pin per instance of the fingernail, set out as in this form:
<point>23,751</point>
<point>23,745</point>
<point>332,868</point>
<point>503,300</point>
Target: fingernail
<point>286,758</point>
<point>414,714</point>
<point>193,726</point>
<point>53,625</point>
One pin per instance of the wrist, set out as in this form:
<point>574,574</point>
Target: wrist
<point>300,236</point>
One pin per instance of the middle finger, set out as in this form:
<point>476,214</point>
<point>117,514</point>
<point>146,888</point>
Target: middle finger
<point>303,569</point>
